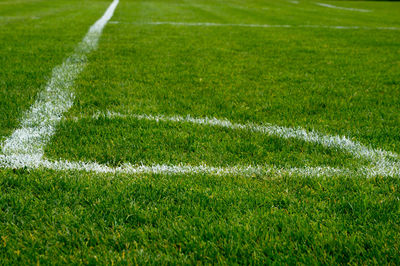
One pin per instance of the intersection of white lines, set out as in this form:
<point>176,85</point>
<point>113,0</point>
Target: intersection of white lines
<point>25,147</point>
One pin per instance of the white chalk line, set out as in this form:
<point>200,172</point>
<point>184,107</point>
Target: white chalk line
<point>25,147</point>
<point>329,141</point>
<point>29,162</point>
<point>382,163</point>
<point>38,124</point>
<point>212,24</point>
<point>343,8</point>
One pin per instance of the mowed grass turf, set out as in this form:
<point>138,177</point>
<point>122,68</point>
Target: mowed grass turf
<point>35,36</point>
<point>59,217</point>
<point>336,81</point>
<point>117,141</point>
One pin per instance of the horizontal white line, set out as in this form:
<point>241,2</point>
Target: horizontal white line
<point>383,163</point>
<point>330,141</point>
<point>29,162</point>
<point>212,24</point>
<point>205,24</point>
<point>343,8</point>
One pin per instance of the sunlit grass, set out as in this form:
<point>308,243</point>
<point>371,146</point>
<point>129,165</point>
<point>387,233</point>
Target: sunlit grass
<point>338,82</point>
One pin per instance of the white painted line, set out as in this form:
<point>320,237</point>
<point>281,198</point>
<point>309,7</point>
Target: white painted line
<point>382,163</point>
<point>211,24</point>
<point>29,162</point>
<point>24,148</point>
<point>330,141</point>
<point>343,8</point>
<point>294,2</point>
<point>39,123</point>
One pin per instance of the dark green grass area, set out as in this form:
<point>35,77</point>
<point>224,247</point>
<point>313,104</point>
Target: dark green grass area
<point>35,36</point>
<point>52,217</point>
<point>122,140</point>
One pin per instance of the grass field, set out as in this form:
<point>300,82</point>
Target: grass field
<point>199,131</point>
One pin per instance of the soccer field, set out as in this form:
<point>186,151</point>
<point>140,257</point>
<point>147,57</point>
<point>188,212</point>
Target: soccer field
<point>199,131</point>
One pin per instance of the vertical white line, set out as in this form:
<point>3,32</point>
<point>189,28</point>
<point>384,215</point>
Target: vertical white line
<point>40,121</point>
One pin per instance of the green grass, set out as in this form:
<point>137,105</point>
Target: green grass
<point>116,141</point>
<point>35,36</point>
<point>338,82</point>
<point>76,218</point>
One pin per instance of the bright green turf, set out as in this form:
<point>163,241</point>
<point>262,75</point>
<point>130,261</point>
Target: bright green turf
<point>117,141</point>
<point>335,81</point>
<point>64,217</point>
<point>35,36</point>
